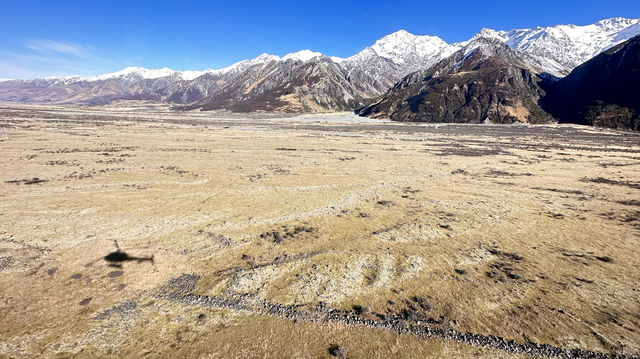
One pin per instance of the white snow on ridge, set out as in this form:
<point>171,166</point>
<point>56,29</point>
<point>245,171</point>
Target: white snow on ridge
<point>190,74</point>
<point>136,73</point>
<point>131,72</point>
<point>492,34</point>
<point>264,58</point>
<point>588,40</point>
<point>561,48</point>
<point>303,55</point>
<point>245,64</point>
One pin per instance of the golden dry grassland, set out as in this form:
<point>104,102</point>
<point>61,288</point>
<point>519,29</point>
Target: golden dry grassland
<point>525,233</point>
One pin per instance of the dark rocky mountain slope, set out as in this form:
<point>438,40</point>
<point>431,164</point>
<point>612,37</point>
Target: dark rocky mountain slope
<point>486,81</point>
<point>603,91</point>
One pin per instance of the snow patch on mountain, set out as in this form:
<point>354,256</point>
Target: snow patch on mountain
<point>191,74</point>
<point>627,33</point>
<point>303,55</point>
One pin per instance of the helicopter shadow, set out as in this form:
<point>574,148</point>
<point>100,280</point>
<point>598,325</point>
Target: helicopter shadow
<point>118,257</point>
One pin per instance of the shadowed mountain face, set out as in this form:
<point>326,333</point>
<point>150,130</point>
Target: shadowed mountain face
<point>486,81</point>
<point>601,92</point>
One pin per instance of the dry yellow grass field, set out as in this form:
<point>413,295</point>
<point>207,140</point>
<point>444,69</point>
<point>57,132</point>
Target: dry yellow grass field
<point>257,228</point>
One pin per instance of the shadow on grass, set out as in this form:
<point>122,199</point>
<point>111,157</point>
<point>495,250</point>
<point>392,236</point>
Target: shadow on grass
<point>118,257</point>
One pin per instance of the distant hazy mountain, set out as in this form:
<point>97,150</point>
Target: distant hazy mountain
<point>484,81</point>
<point>310,81</point>
<point>127,83</point>
<point>603,91</point>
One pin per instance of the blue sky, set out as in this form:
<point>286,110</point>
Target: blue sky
<point>57,38</point>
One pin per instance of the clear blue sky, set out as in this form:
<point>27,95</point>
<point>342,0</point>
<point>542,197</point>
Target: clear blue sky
<point>47,38</point>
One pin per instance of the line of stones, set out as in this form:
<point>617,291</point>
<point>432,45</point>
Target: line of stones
<point>183,293</point>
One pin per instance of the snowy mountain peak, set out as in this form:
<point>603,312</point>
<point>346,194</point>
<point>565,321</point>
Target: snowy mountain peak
<point>400,44</point>
<point>265,58</point>
<point>491,34</point>
<point>400,34</point>
<point>303,55</point>
<point>260,59</point>
<point>401,38</point>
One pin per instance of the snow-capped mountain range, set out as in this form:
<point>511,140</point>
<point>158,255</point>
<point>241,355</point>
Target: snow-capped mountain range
<point>316,82</point>
<point>488,81</point>
<point>559,49</point>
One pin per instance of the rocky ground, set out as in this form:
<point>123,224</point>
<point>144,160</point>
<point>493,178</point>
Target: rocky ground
<point>156,234</point>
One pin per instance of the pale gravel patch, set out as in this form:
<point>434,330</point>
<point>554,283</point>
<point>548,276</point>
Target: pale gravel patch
<point>324,278</point>
<point>474,256</point>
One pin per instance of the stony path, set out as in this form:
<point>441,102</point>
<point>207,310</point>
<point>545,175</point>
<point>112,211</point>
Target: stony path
<point>181,289</point>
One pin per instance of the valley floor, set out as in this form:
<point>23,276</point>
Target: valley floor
<point>271,236</point>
